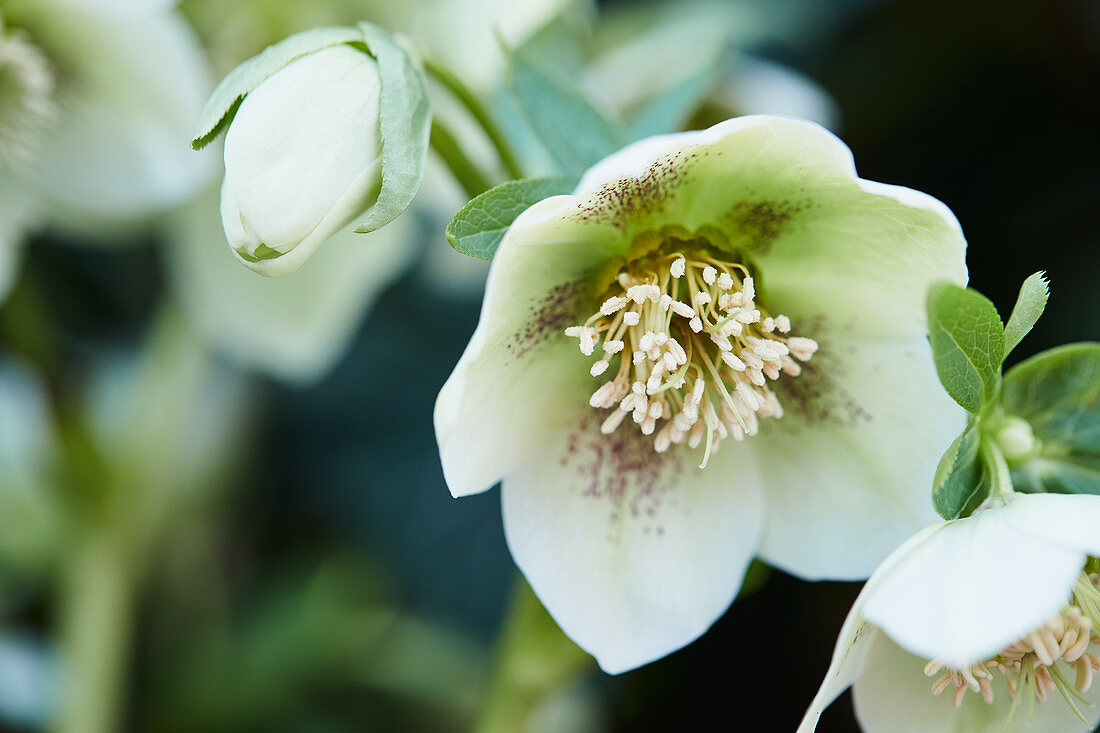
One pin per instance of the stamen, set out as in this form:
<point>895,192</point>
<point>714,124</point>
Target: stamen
<point>696,351</point>
<point>1033,664</point>
<point>26,96</point>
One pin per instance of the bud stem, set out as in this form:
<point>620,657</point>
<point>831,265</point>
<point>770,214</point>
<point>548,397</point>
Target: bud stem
<point>468,175</point>
<point>474,106</point>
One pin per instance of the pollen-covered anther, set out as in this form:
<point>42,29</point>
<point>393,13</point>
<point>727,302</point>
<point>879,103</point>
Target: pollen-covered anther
<point>691,350</point>
<point>27,102</point>
<point>1041,662</point>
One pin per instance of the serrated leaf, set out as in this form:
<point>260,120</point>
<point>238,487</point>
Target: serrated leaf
<point>479,226</point>
<point>968,344</point>
<point>1029,306</point>
<point>959,486</point>
<point>227,96</point>
<point>574,132</point>
<point>405,123</point>
<point>1058,393</point>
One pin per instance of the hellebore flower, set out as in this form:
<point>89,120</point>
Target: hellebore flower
<point>700,272</point>
<point>323,128</point>
<point>95,96</point>
<point>1003,604</point>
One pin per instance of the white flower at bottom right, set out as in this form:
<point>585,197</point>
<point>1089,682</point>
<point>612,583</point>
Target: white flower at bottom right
<point>984,624</point>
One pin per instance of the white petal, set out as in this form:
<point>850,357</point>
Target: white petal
<point>294,328</point>
<point>869,250</point>
<point>134,79</point>
<point>972,589</point>
<point>759,86</point>
<point>1069,521</point>
<point>634,553</point>
<point>848,469</point>
<point>856,638</point>
<point>303,151</point>
<point>18,212</point>
<point>519,363</point>
<point>893,695</point>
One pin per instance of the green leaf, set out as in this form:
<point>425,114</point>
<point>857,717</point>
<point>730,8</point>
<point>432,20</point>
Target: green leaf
<point>968,344</point>
<point>227,96</point>
<point>406,121</point>
<point>1029,306</point>
<point>1058,393</point>
<point>478,227</point>
<point>960,485</point>
<point>574,132</point>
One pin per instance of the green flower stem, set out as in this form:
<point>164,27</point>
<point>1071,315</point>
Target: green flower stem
<point>534,660</point>
<point>474,106</point>
<point>468,175</point>
<point>96,607</point>
<point>1000,476</point>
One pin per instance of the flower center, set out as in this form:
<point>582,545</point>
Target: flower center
<point>26,86</point>
<point>694,349</point>
<point>1040,662</point>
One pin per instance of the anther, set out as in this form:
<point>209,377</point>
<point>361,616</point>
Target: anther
<point>613,305</point>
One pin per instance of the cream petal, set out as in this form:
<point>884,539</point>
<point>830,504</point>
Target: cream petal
<point>972,589</point>
<point>893,695</point>
<point>1071,521</point>
<point>847,471</point>
<point>296,328</point>
<point>634,553</point>
<point>18,213</point>
<point>519,363</point>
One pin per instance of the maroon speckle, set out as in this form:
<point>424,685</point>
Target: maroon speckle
<point>628,201</point>
<point>624,470</point>
<point>816,397</point>
<point>548,317</point>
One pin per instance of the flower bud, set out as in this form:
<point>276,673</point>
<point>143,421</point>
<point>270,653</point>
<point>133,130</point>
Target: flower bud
<point>303,156</point>
<point>1017,441</point>
<point>325,128</point>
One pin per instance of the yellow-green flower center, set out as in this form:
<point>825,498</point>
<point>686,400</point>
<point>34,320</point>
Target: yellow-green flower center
<point>690,348</point>
<point>1039,663</point>
<point>26,89</point>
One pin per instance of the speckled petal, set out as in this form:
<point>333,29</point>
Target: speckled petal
<point>634,553</point>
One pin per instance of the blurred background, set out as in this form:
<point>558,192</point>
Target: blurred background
<point>221,506</point>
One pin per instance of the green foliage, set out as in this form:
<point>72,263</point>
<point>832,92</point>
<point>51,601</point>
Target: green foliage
<point>959,486</point>
<point>535,661</point>
<point>223,103</point>
<point>1058,393</point>
<point>405,122</point>
<point>574,132</point>
<point>1029,306</point>
<point>968,344</point>
<point>479,226</point>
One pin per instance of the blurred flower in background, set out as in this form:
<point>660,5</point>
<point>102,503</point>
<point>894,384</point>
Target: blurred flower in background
<point>98,94</point>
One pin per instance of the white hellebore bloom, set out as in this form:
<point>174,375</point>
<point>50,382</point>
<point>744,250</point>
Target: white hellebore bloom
<point>328,126</point>
<point>700,272</point>
<point>999,613</point>
<point>95,96</point>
